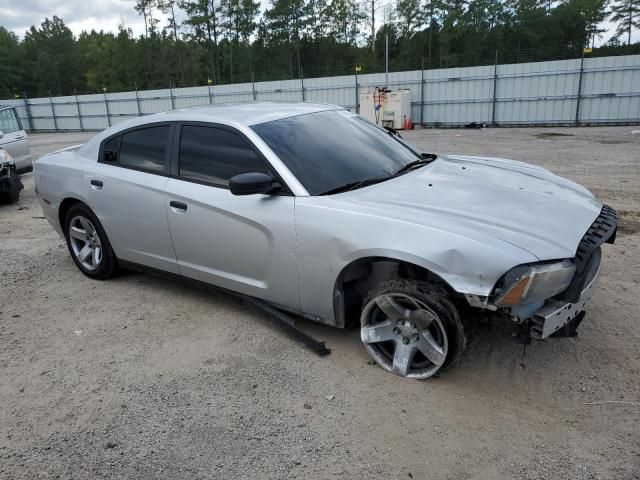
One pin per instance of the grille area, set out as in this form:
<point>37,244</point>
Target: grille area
<point>587,260</point>
<point>602,230</point>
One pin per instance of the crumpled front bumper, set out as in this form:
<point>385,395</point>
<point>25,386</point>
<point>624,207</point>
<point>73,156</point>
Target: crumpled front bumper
<point>555,314</point>
<point>560,310</point>
<point>10,183</point>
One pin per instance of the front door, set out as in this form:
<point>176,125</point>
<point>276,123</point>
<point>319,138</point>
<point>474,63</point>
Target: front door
<point>242,243</point>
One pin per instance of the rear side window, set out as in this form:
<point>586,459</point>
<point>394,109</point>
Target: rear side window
<point>8,121</point>
<point>143,149</point>
<point>110,152</point>
<point>214,155</point>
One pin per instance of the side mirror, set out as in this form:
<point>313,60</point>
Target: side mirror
<point>252,183</point>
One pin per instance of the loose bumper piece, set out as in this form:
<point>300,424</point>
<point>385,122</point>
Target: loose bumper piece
<point>555,314</point>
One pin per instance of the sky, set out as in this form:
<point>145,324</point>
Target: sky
<point>79,15</point>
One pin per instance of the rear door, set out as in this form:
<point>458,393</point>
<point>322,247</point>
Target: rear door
<point>14,139</point>
<point>242,243</point>
<point>126,190</point>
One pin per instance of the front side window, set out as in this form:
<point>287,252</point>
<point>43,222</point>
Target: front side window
<point>143,149</point>
<point>214,155</point>
<point>328,149</point>
<point>8,121</point>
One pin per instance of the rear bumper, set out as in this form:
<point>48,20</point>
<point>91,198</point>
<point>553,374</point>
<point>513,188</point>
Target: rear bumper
<point>555,314</point>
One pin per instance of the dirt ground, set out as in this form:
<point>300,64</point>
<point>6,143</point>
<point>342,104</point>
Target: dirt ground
<point>140,377</point>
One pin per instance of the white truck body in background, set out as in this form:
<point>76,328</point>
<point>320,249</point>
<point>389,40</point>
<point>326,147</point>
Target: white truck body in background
<point>386,109</point>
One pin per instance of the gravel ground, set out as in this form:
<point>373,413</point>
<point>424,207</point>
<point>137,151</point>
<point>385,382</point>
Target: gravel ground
<point>140,377</point>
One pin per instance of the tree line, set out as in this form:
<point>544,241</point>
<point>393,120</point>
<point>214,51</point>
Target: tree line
<point>228,41</point>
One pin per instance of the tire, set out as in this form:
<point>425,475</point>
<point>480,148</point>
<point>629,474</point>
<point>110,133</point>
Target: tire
<point>411,328</point>
<point>88,243</point>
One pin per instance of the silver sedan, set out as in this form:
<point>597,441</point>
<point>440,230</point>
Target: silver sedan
<point>319,213</point>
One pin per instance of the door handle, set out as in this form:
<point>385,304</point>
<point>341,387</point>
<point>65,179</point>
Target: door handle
<point>97,184</point>
<point>178,206</point>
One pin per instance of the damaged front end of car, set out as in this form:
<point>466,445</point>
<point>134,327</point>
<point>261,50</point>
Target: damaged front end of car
<point>549,298</point>
<point>10,183</point>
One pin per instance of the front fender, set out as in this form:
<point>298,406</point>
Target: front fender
<point>330,239</point>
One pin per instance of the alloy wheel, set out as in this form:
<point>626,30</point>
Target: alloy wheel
<point>404,336</point>
<point>85,242</point>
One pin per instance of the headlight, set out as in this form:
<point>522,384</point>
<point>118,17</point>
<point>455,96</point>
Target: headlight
<point>5,157</point>
<point>529,284</point>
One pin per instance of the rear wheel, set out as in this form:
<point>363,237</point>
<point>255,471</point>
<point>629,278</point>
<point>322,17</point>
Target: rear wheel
<point>411,328</point>
<point>88,243</point>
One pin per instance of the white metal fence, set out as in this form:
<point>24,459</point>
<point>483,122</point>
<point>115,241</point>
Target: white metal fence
<point>603,90</point>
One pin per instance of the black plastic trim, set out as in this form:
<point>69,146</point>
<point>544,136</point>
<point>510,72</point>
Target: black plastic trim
<point>602,230</point>
<point>582,279</point>
<point>588,253</point>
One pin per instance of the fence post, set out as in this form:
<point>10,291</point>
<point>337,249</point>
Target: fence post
<point>580,89</point>
<point>210,97</point>
<point>422,93</point>
<point>53,112</point>
<point>495,91</point>
<point>78,110</point>
<point>253,86</point>
<point>106,105</point>
<point>28,109</point>
<point>173,106</point>
<point>357,92</point>
<point>302,83</point>
<point>138,100</point>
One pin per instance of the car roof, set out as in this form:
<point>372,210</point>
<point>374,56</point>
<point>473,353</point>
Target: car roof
<point>245,113</point>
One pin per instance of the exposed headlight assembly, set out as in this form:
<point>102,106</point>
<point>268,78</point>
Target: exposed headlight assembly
<point>528,284</point>
<point>5,157</point>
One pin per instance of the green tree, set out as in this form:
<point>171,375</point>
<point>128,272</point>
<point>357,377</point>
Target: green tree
<point>287,21</point>
<point>205,18</point>
<point>51,58</point>
<point>411,16</point>
<point>625,13</point>
<point>12,64</point>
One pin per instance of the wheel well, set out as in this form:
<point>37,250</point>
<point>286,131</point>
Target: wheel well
<point>362,275</point>
<point>65,205</point>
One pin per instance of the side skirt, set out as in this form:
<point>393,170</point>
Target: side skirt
<point>284,321</point>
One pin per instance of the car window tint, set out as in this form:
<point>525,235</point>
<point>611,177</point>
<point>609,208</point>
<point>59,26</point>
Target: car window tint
<point>215,155</point>
<point>110,154</point>
<point>145,148</point>
<point>8,121</point>
<point>328,149</point>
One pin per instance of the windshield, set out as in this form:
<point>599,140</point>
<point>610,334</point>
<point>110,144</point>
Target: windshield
<point>326,150</point>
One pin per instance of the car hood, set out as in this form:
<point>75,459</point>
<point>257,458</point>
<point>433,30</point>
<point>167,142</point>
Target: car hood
<point>515,202</point>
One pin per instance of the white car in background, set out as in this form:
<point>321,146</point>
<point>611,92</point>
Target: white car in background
<point>13,139</point>
<point>15,155</point>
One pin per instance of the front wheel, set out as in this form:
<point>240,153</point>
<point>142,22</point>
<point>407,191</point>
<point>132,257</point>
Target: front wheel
<point>411,328</point>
